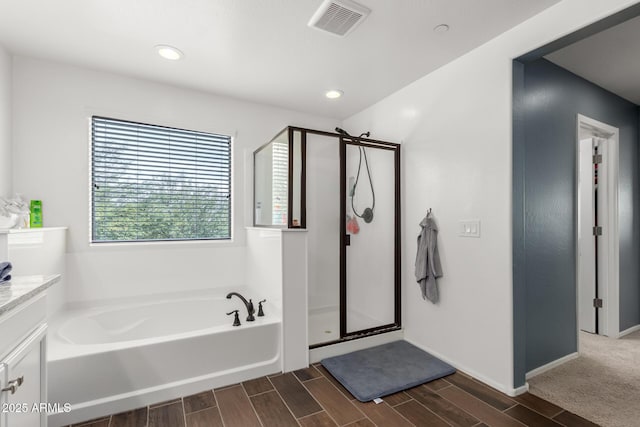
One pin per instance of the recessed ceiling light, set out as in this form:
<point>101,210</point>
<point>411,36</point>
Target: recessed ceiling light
<point>334,93</point>
<point>169,52</point>
<point>442,28</point>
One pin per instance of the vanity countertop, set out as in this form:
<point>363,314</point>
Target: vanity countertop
<point>23,288</point>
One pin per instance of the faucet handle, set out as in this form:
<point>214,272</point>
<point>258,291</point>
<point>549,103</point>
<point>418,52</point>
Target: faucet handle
<point>260,312</point>
<point>236,319</point>
<point>250,310</point>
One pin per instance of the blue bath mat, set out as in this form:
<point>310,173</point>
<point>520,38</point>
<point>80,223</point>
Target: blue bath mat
<point>385,369</point>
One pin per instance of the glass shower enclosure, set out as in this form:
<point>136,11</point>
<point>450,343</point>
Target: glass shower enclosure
<point>345,191</point>
<point>279,182</point>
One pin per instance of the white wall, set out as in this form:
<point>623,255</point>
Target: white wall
<point>5,123</point>
<point>264,266</point>
<point>455,126</point>
<point>52,104</point>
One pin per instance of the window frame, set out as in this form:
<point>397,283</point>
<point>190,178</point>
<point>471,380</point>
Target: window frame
<point>228,240</point>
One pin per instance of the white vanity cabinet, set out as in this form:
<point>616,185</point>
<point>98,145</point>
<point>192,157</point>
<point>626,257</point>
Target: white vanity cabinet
<point>23,365</point>
<point>25,387</point>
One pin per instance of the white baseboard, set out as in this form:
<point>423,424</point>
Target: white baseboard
<point>510,391</point>
<point>520,390</point>
<point>629,331</point>
<point>551,365</point>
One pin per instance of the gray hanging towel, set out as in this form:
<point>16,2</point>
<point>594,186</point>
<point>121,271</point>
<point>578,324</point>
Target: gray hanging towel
<point>428,266</point>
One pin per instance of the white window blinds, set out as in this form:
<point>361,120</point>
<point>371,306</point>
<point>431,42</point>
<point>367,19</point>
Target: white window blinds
<point>158,183</point>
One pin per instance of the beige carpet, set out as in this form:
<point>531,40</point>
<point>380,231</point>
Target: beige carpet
<point>602,384</point>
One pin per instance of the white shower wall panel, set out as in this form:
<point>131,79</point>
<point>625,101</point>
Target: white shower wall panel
<point>323,221</point>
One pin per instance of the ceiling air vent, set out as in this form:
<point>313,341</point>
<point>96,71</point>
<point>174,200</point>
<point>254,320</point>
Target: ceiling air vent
<point>338,17</point>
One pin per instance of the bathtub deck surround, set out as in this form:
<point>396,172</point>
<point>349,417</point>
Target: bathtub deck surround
<point>155,350</point>
<point>311,397</point>
<point>276,268</point>
<point>41,252</point>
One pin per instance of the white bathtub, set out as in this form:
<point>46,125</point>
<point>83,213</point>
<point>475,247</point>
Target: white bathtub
<point>110,359</point>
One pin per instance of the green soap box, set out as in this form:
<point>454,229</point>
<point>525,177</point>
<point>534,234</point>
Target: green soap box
<point>35,220</point>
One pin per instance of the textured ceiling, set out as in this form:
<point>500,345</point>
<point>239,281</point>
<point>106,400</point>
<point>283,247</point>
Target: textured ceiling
<point>260,50</point>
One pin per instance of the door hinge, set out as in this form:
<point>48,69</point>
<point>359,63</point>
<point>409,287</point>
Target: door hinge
<point>347,240</point>
<point>597,302</point>
<point>597,159</point>
<point>597,231</point>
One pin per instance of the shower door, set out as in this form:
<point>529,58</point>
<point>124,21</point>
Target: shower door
<point>353,244</point>
<point>370,242</point>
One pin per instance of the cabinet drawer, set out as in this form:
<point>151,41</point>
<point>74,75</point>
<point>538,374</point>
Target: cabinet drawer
<point>16,324</point>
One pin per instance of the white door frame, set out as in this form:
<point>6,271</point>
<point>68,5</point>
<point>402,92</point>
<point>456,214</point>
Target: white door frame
<point>586,279</point>
<point>609,314</point>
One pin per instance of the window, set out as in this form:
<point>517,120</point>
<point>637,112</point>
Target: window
<point>279,193</point>
<point>158,183</point>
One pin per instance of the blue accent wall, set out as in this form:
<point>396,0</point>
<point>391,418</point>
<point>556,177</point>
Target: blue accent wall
<point>547,99</point>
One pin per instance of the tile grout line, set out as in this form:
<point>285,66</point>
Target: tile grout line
<point>319,404</point>
<point>184,413</point>
<point>445,387</point>
<point>400,403</point>
<point>322,375</point>
<point>394,410</point>
<point>252,405</point>
<point>481,401</point>
<point>563,424</point>
<point>488,387</point>
<point>338,390</point>
<point>538,412</point>
<point>357,421</point>
<point>390,407</point>
<point>171,402</point>
<point>285,402</point>
<point>429,409</point>
<point>563,410</point>
<point>259,394</point>
<point>520,403</point>
<point>511,407</point>
<point>313,413</point>
<point>204,409</point>
<point>215,398</point>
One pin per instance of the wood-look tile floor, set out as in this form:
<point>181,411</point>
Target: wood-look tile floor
<point>313,398</point>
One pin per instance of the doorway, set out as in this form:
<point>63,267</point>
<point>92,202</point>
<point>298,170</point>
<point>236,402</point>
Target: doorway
<point>597,233</point>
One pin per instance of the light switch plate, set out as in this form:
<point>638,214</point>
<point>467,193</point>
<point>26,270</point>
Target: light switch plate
<point>469,228</point>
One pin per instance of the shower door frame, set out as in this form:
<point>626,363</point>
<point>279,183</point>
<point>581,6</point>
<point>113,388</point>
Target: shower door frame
<point>397,304</point>
<point>397,323</point>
